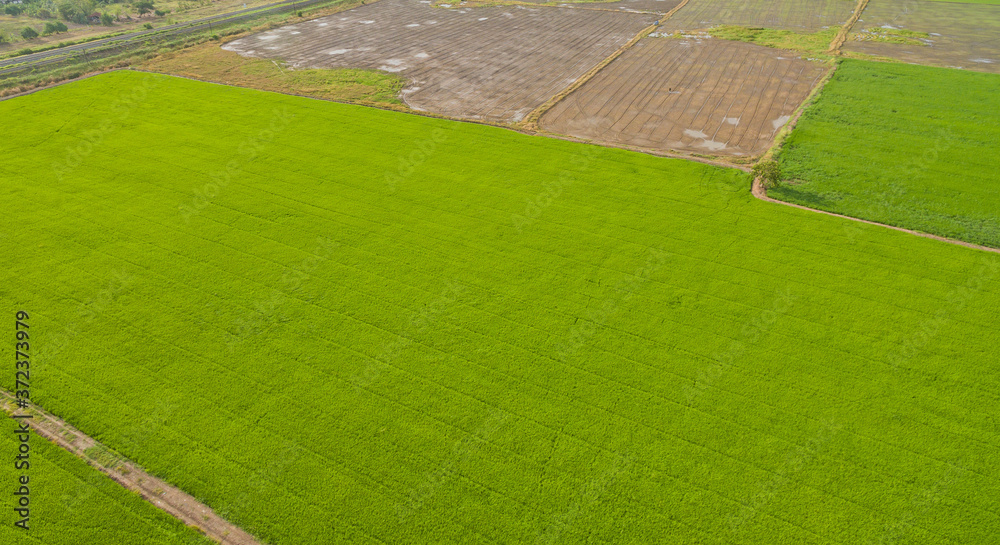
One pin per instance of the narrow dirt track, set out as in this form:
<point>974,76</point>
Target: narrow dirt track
<point>531,122</point>
<point>171,499</point>
<point>841,37</point>
<point>761,193</point>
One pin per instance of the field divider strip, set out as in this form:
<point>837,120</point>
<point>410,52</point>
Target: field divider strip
<point>841,36</point>
<point>531,121</point>
<point>159,493</point>
<point>760,192</point>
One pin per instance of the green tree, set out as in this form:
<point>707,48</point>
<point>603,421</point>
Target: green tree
<point>29,33</point>
<point>769,173</point>
<point>107,19</point>
<point>144,8</point>
<point>13,10</point>
<point>67,11</point>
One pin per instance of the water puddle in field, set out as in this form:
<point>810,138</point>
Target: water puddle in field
<point>780,122</point>
<point>270,37</point>
<point>732,120</point>
<point>339,51</point>
<point>366,22</point>
<point>983,61</point>
<point>393,65</point>
<point>712,145</point>
<point>413,25</point>
<point>421,55</point>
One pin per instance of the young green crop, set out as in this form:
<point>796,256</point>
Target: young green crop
<point>907,145</point>
<point>335,324</point>
<point>72,503</point>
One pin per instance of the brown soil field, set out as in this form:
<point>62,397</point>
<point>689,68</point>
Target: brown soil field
<point>698,95</point>
<point>798,15</point>
<point>652,6</point>
<point>959,35</point>
<point>494,64</point>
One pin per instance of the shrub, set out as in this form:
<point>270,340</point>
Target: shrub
<point>29,33</point>
<point>144,7</point>
<point>13,10</point>
<point>45,14</point>
<point>67,11</point>
<point>159,13</point>
<point>50,28</point>
<point>107,19</point>
<point>769,173</point>
<point>148,26</point>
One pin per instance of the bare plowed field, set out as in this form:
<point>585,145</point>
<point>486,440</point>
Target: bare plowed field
<point>708,96</point>
<point>653,6</point>
<point>799,15</point>
<point>485,63</point>
<point>958,35</point>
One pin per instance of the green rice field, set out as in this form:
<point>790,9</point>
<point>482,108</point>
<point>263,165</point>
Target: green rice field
<point>336,324</point>
<point>73,504</point>
<point>904,145</point>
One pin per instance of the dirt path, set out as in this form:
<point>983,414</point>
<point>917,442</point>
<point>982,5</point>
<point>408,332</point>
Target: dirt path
<point>761,193</point>
<point>841,36</point>
<point>531,121</point>
<point>157,492</point>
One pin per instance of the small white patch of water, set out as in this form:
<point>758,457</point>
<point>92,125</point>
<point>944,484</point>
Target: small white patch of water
<point>483,18</point>
<point>780,122</point>
<point>732,120</point>
<point>413,25</point>
<point>694,134</point>
<point>268,37</point>
<point>421,55</point>
<point>366,22</point>
<point>983,61</point>
<point>712,145</point>
<point>339,51</point>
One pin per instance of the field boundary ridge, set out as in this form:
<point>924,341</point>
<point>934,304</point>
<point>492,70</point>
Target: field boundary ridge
<point>157,492</point>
